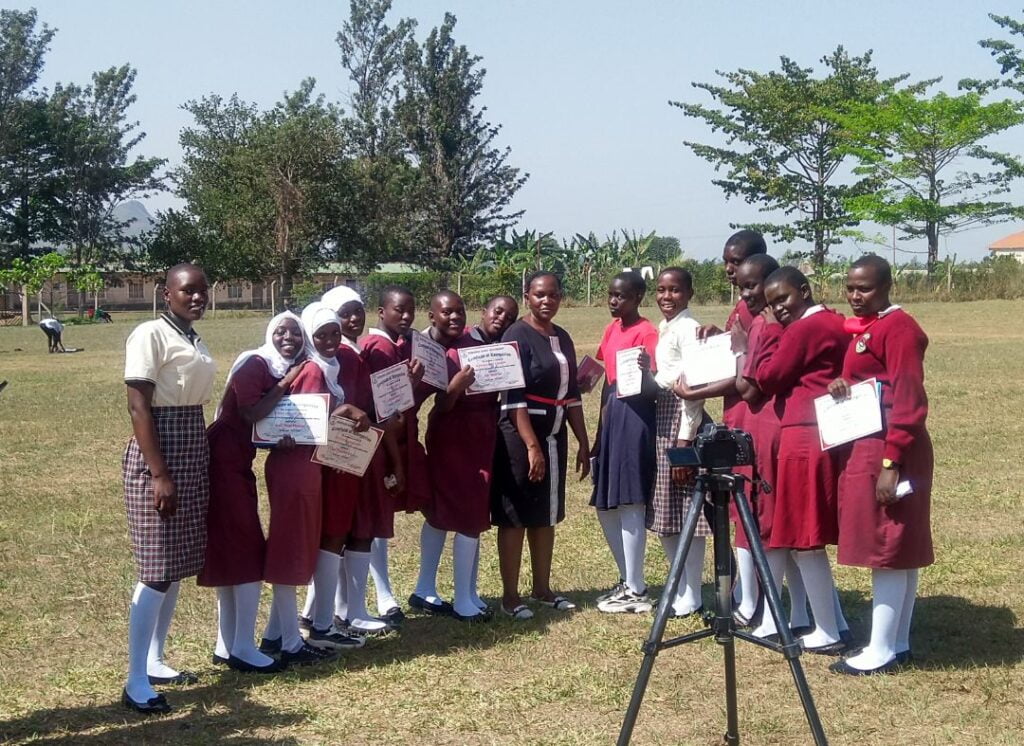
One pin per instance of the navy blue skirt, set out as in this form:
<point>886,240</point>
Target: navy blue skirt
<point>625,468</point>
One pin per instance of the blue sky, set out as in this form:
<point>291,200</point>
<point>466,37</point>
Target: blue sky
<point>581,88</point>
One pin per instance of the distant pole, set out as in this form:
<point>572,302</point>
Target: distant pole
<point>156,286</point>
<point>273,298</point>
<point>589,271</point>
<point>213,298</point>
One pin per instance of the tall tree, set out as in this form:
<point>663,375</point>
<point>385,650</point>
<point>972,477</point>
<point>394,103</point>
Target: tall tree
<point>1006,54</point>
<point>928,157</point>
<point>782,142</point>
<point>465,181</point>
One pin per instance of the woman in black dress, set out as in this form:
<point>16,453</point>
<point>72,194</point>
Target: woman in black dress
<point>528,496</point>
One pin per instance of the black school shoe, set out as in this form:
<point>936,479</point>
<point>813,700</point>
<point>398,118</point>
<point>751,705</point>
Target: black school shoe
<point>421,604</point>
<point>237,664</point>
<point>182,678</point>
<point>394,616</point>
<point>845,668</point>
<point>218,660</point>
<point>307,655</point>
<point>154,706</point>
<point>270,647</point>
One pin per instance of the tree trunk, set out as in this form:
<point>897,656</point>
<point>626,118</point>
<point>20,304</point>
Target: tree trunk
<point>25,315</point>
<point>932,232</point>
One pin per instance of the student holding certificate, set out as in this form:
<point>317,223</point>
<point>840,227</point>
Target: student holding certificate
<point>802,348</point>
<point>235,543</point>
<point>881,526</point>
<point>623,450</point>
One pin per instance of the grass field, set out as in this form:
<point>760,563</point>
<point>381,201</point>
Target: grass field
<point>66,575</point>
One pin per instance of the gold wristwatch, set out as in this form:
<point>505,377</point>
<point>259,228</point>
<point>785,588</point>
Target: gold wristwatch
<point>888,463</point>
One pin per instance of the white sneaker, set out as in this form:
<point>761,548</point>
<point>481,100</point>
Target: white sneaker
<point>626,601</point>
<point>615,590</point>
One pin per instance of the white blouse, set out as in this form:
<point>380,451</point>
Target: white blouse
<point>182,372</point>
<point>673,333</point>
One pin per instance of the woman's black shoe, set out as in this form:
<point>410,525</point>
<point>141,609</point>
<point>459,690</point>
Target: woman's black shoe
<point>270,647</point>
<point>438,609</point>
<point>155,706</point>
<point>218,660</point>
<point>237,664</point>
<point>845,668</point>
<point>182,678</point>
<point>394,615</point>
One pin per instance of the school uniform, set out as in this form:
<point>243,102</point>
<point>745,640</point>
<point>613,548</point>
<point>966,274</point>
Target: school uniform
<point>178,364</point>
<point>342,492</point>
<point>460,457</point>
<point>734,408</point>
<point>381,352</point>
<point>795,365</point>
<point>891,350</point>
<point>624,470</point>
<point>549,369</point>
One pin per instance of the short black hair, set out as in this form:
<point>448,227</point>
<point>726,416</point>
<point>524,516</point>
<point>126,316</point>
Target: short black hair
<point>491,301</point>
<point>530,278</point>
<point>789,275</point>
<point>446,293</point>
<point>763,262</point>
<point>749,241</point>
<point>685,278</point>
<point>634,279</point>
<point>882,267</point>
<point>182,267</point>
<point>389,291</point>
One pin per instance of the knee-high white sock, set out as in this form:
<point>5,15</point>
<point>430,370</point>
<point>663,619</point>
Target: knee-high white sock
<point>357,565</point>
<point>155,664</point>
<point>325,582</point>
<point>286,610</point>
<point>817,576</point>
<point>273,629</point>
<point>341,595</point>
<point>907,613</point>
<point>431,546</point>
<point>777,564</point>
<point>798,615</point>
<point>225,620</point>
<point>473,593</point>
<point>307,607</point>
<point>634,545</point>
<point>747,582</point>
<point>889,589</point>
<point>838,605</point>
<point>381,579</point>
<point>688,596</point>
<point>142,621</point>
<point>247,605</point>
<point>464,552</point>
<point>611,525</point>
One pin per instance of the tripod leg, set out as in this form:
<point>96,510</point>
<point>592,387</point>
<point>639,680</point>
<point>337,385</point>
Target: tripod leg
<point>724,625</point>
<point>790,649</point>
<point>651,646</point>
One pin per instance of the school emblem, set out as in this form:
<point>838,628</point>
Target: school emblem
<point>862,344</point>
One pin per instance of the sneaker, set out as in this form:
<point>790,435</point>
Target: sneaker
<point>339,623</point>
<point>332,639</point>
<point>625,601</point>
<point>616,590</point>
<point>305,623</point>
<point>307,655</point>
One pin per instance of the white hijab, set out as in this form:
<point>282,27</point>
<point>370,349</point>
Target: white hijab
<point>277,363</point>
<point>315,316</point>
<point>338,296</point>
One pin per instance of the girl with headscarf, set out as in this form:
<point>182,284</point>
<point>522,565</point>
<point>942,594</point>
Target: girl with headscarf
<point>235,543</point>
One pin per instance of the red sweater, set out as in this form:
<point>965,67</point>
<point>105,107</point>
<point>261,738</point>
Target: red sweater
<point>734,409</point>
<point>891,350</point>
<point>796,364</point>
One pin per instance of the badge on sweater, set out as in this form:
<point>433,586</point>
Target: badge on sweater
<point>862,343</point>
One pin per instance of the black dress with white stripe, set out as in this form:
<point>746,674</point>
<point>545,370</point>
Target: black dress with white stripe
<point>549,369</point>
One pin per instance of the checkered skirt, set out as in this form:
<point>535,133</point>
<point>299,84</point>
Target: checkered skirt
<point>172,548</point>
<point>667,507</point>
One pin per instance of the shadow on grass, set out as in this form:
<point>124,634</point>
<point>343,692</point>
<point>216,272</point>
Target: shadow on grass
<point>953,632</point>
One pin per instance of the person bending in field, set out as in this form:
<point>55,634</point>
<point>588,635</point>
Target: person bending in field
<point>53,330</point>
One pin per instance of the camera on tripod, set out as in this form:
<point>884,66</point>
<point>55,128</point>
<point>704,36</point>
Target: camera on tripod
<point>716,447</point>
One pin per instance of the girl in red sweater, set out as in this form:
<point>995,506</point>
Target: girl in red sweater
<point>886,480</point>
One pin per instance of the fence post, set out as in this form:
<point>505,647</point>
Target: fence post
<point>273,298</point>
<point>26,306</point>
<point>213,298</point>
<point>156,286</point>
<point>589,271</point>
<point>458,283</point>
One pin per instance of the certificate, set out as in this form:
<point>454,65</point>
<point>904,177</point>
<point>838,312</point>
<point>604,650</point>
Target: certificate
<point>629,379</point>
<point>434,359</point>
<point>346,450</point>
<point>708,360</point>
<point>302,416</point>
<point>843,420</point>
<point>496,367</point>
<point>589,373</point>
<point>392,391</point>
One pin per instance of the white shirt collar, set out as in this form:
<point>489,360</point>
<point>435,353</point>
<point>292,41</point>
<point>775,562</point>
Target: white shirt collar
<point>666,323</point>
<point>381,333</point>
<point>813,310</point>
<point>889,310</point>
<point>349,343</point>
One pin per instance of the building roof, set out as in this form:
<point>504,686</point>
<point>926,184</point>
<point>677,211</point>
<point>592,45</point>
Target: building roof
<point>1013,242</point>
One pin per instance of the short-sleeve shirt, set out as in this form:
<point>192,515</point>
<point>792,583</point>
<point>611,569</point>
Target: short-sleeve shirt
<point>181,370</point>
<point>617,337</point>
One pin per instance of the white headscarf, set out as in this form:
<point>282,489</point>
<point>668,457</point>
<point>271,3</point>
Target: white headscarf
<point>277,363</point>
<point>315,316</point>
<point>338,296</point>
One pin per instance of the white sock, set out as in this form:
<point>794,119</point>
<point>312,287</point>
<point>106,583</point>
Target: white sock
<point>464,553</point>
<point>286,610</point>
<point>634,544</point>
<point>746,576</point>
<point>611,525</point>
<point>431,546</point>
<point>798,616</point>
<point>273,629</point>
<point>225,620</point>
<point>155,665</point>
<point>688,595</point>
<point>889,589</point>
<point>473,594</point>
<point>777,565</point>
<point>381,579</point>
<point>341,595</point>
<point>307,607</point>
<point>325,581</point>
<point>247,605</point>
<point>817,576</point>
<point>837,604</point>
<point>907,613</point>
<point>357,565</point>
<point>142,619</point>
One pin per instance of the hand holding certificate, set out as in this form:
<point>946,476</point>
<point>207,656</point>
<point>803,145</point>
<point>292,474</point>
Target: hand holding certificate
<point>392,391</point>
<point>629,378</point>
<point>708,360</point>
<point>589,373</point>
<point>843,420</point>
<point>347,450</point>
<point>434,359</point>
<point>303,417</point>
<point>497,367</point>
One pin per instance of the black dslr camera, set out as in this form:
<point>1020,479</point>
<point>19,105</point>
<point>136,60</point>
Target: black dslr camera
<point>716,447</point>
